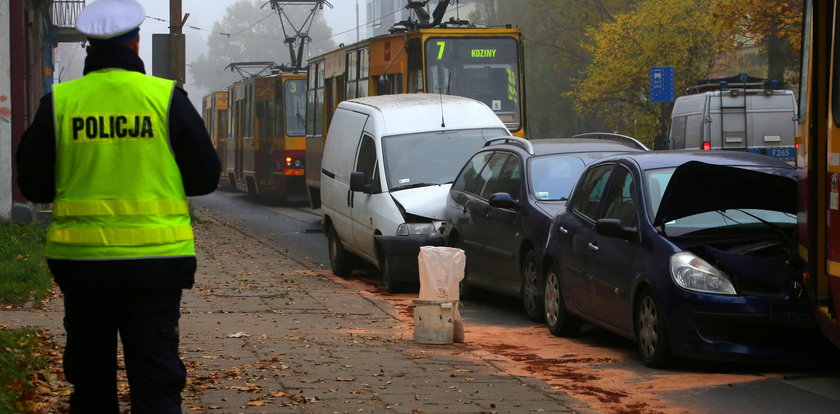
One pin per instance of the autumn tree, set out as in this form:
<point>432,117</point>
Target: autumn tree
<point>773,25</point>
<point>616,85</point>
<point>250,32</point>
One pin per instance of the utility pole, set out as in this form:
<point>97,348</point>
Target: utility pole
<point>357,21</point>
<point>177,43</point>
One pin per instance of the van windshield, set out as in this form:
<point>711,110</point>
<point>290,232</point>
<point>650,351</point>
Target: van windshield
<point>430,158</point>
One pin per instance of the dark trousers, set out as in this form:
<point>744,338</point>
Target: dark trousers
<point>147,323</point>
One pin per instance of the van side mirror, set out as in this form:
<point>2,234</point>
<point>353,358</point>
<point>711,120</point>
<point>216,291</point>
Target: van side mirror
<point>503,200</point>
<point>357,183</point>
<point>613,228</point>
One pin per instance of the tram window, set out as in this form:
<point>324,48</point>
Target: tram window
<point>315,99</point>
<point>389,84</point>
<point>364,63</point>
<point>310,101</point>
<point>352,73</point>
<point>294,107</point>
<point>265,117</point>
<point>249,111</point>
<point>223,124</point>
<point>319,115</point>
<point>415,66</point>
<point>485,69</point>
<point>362,88</point>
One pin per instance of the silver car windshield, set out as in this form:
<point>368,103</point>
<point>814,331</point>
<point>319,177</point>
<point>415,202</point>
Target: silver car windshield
<point>430,158</point>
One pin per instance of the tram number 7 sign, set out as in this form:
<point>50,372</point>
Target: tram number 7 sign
<point>662,84</point>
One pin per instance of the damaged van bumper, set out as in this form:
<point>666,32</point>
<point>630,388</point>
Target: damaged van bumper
<point>401,253</point>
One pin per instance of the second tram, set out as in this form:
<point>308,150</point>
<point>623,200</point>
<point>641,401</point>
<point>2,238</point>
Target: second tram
<point>214,111</point>
<point>264,153</point>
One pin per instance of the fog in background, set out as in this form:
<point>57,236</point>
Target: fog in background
<point>203,13</point>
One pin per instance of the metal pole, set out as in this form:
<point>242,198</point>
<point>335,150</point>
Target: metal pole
<point>176,43</point>
<point>357,21</point>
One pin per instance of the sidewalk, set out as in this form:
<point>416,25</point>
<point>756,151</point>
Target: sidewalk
<point>264,333</point>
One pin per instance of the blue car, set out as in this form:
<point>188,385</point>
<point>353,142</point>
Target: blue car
<point>501,205</point>
<point>690,254</point>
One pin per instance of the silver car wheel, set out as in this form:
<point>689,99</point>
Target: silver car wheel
<point>648,327</point>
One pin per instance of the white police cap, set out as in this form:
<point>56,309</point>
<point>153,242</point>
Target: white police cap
<point>104,19</point>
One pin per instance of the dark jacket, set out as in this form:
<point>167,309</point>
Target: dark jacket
<point>194,154</point>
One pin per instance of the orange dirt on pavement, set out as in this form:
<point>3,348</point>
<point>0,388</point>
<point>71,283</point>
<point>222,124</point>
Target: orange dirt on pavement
<point>595,375</point>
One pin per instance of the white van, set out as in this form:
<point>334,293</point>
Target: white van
<point>753,116</point>
<point>387,167</point>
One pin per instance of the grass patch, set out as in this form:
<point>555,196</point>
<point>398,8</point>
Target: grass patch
<point>23,270</point>
<point>20,362</point>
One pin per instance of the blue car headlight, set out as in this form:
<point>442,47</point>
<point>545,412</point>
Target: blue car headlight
<point>416,229</point>
<point>693,273</point>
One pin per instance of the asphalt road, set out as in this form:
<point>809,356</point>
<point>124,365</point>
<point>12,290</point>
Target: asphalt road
<point>690,387</point>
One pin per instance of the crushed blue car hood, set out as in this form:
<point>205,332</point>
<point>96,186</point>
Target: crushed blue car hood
<point>697,187</point>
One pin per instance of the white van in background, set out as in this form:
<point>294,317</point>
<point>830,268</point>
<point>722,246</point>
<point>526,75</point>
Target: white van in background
<point>738,113</point>
<point>387,167</point>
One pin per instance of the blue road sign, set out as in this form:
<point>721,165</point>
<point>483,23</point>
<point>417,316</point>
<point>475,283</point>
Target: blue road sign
<point>662,84</point>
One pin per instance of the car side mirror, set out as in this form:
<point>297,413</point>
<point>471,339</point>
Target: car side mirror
<point>357,183</point>
<point>503,200</point>
<point>613,228</point>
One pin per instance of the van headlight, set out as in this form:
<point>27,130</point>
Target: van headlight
<point>416,229</point>
<point>694,273</point>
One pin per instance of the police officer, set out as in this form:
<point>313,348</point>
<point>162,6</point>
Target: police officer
<point>117,152</point>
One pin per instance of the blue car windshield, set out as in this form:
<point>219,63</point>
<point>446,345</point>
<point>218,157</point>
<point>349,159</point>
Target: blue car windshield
<point>657,182</point>
<point>433,157</point>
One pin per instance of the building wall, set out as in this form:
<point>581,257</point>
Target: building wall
<point>5,114</point>
<point>30,74</point>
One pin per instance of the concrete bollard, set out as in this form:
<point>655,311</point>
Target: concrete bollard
<point>434,321</point>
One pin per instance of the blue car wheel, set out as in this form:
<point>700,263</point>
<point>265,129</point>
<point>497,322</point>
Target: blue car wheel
<point>651,333</point>
<point>560,322</point>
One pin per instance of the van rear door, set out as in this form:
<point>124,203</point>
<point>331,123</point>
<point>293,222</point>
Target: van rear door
<point>772,126</point>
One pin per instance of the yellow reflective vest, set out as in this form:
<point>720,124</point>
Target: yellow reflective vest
<point>119,192</point>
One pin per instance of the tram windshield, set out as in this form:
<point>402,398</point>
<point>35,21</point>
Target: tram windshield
<point>485,69</point>
<point>295,107</point>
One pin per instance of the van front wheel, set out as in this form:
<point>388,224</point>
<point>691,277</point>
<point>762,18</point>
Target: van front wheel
<point>340,260</point>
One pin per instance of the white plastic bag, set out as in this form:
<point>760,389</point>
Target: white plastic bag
<point>441,271</point>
